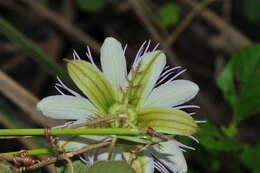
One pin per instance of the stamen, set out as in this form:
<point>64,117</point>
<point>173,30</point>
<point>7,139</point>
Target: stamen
<point>194,139</point>
<point>75,55</point>
<point>89,55</point>
<point>63,125</point>
<point>69,90</point>
<point>83,160</point>
<point>91,158</point>
<point>167,73</point>
<point>137,56</point>
<point>125,49</point>
<point>178,74</point>
<point>147,47</point>
<point>62,85</point>
<point>88,158</point>
<point>179,144</point>
<point>166,67</point>
<point>155,47</point>
<point>56,87</point>
<point>160,167</point>
<point>201,121</point>
<point>192,113</point>
<point>169,70</point>
<point>186,106</point>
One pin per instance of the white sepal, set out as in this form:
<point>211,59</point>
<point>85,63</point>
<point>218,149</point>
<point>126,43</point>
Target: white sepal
<point>170,155</point>
<point>66,107</point>
<point>73,143</point>
<point>172,94</point>
<point>113,62</point>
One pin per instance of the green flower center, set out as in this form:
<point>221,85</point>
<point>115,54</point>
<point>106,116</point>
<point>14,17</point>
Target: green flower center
<point>127,110</point>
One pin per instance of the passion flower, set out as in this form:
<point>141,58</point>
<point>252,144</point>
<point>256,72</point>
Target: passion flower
<point>147,95</point>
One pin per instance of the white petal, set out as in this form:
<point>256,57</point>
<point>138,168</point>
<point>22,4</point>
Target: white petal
<point>170,155</point>
<point>66,107</point>
<point>172,94</point>
<point>142,164</point>
<point>72,143</point>
<point>113,62</point>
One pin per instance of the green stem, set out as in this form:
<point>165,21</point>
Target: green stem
<point>68,131</point>
<point>38,151</point>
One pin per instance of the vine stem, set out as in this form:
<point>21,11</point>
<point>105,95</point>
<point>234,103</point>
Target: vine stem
<point>69,131</point>
<point>34,152</point>
<point>53,159</point>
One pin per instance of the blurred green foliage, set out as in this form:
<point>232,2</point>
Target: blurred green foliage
<point>251,157</point>
<point>169,14</point>
<point>212,138</point>
<point>252,9</point>
<point>239,81</point>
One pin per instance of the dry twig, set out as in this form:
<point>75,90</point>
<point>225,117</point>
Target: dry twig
<point>64,156</point>
<point>172,37</point>
<point>236,37</point>
<point>63,24</point>
<point>23,98</point>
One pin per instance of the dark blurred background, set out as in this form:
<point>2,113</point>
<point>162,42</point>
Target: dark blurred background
<point>202,36</point>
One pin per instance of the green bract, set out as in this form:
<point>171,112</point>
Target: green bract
<point>172,121</point>
<point>146,103</point>
<point>93,84</point>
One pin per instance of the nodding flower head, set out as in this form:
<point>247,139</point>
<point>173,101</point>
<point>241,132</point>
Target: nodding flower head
<point>149,96</point>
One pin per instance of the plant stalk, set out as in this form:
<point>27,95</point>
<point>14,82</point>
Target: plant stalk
<point>69,131</point>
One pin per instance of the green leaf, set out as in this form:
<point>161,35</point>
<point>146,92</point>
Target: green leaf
<point>169,14</point>
<point>250,157</point>
<point>240,82</point>
<point>78,167</point>
<point>92,83</point>
<point>33,51</point>
<point>110,167</point>
<point>91,5</point>
<point>252,9</point>
<point>231,130</point>
<point>207,159</point>
<point>212,139</point>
